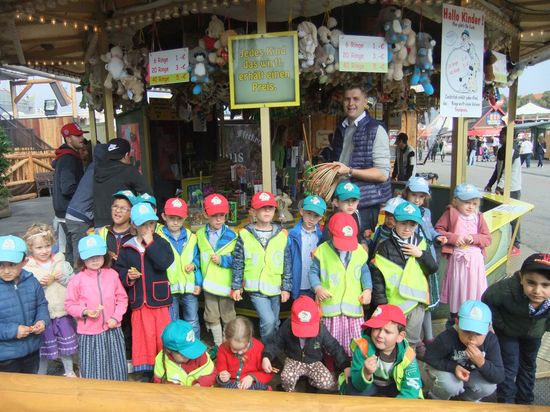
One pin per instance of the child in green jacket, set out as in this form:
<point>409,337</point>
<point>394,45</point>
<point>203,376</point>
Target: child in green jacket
<point>383,364</point>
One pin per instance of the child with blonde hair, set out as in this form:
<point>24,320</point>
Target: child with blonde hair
<point>239,360</point>
<point>464,236</point>
<point>53,273</point>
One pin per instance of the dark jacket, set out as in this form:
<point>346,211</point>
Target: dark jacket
<point>510,308</point>
<point>286,343</point>
<point>81,205</point>
<point>68,172</point>
<point>110,176</point>
<point>23,303</point>
<point>390,249</point>
<point>447,351</point>
<point>404,165</point>
<point>362,158</point>
<point>152,260</point>
<point>295,255</point>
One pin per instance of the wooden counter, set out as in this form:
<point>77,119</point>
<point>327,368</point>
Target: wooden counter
<point>57,394</point>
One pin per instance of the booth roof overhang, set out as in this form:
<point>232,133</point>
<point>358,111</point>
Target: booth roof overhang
<point>59,35</point>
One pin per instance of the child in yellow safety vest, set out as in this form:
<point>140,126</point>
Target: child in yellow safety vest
<point>383,363</point>
<point>341,279</point>
<point>216,243</point>
<point>185,273</point>
<point>400,268</point>
<point>183,359</point>
<point>259,264</point>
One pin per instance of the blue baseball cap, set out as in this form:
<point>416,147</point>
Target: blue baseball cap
<point>128,195</point>
<point>315,204</point>
<point>147,198</point>
<point>141,213</point>
<point>92,245</point>
<point>12,249</point>
<point>347,190</point>
<point>466,191</point>
<point>180,337</point>
<point>474,316</point>
<point>391,204</point>
<point>418,184</point>
<point>407,211</point>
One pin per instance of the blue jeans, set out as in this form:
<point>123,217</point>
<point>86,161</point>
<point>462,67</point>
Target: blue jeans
<point>520,364</point>
<point>190,310</point>
<point>267,308</point>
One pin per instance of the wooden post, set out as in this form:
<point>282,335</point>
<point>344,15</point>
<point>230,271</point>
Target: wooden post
<point>93,127</point>
<point>13,95</point>
<point>265,129</point>
<point>458,162</point>
<point>109,110</point>
<point>73,101</point>
<point>512,102</point>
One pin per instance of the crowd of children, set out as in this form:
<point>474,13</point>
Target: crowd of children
<point>361,302</point>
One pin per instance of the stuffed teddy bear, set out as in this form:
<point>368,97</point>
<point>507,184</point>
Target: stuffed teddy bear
<point>213,32</point>
<point>391,24</point>
<point>115,66</point>
<point>197,69</point>
<point>399,56</point>
<point>488,60</point>
<point>334,39</point>
<point>424,62</point>
<point>410,42</point>
<point>134,88</point>
<point>222,54</point>
<point>307,43</point>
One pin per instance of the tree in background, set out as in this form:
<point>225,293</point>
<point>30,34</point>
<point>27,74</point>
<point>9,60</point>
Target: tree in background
<point>5,147</point>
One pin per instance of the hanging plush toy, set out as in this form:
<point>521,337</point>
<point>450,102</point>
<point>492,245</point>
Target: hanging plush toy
<point>307,43</point>
<point>424,62</point>
<point>335,34</point>
<point>115,66</point>
<point>197,69</point>
<point>410,42</point>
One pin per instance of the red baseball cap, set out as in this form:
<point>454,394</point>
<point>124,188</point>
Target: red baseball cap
<point>215,203</point>
<point>263,199</point>
<point>305,318</point>
<point>343,229</point>
<point>72,129</point>
<point>384,314</point>
<point>175,207</point>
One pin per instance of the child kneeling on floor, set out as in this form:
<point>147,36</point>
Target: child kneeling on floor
<point>465,360</point>
<point>383,363</point>
<point>304,339</point>
<point>183,359</point>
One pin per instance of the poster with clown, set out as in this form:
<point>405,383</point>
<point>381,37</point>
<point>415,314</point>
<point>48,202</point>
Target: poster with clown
<point>461,62</point>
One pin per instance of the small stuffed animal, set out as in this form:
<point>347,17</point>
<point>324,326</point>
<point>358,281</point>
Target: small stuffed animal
<point>334,39</point>
<point>391,24</point>
<point>115,66</point>
<point>424,62</point>
<point>197,68</point>
<point>410,43</point>
<point>222,54</point>
<point>488,60</point>
<point>213,32</point>
<point>399,56</point>
<point>307,43</point>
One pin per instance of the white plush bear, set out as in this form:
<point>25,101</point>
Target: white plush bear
<point>395,68</point>
<point>410,43</point>
<point>115,66</point>
<point>330,52</point>
<point>307,43</point>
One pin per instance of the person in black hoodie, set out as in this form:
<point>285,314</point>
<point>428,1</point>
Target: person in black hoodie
<point>68,172</point>
<point>112,175</point>
<point>304,339</point>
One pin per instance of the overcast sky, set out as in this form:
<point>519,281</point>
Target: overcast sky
<point>535,79</point>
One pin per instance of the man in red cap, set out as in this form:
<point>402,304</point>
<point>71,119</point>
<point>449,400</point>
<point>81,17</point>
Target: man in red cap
<point>68,172</point>
<point>303,339</point>
<point>341,279</point>
<point>216,243</point>
<point>259,264</point>
<point>383,362</point>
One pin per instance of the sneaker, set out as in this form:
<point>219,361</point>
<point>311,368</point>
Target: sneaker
<point>70,375</point>
<point>516,251</point>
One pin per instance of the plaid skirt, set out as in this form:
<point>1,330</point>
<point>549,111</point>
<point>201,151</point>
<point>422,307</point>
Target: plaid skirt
<point>103,356</point>
<point>344,329</point>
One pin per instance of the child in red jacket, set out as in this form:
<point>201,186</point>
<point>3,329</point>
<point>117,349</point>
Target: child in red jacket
<point>239,360</point>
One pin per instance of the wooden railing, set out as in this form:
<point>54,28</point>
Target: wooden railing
<point>23,167</point>
<point>57,394</point>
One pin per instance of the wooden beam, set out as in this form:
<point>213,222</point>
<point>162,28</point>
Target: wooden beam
<point>22,94</point>
<point>533,3</point>
<point>55,53</point>
<point>33,81</point>
<point>52,39</point>
<point>13,92</point>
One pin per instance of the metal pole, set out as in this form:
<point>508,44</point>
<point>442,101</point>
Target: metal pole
<point>265,131</point>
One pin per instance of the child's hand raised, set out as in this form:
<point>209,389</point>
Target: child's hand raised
<point>224,376</point>
<point>370,365</point>
<point>462,373</point>
<point>411,250</point>
<point>322,293</point>
<point>215,259</point>
<point>365,297</point>
<point>475,355</point>
<point>285,296</point>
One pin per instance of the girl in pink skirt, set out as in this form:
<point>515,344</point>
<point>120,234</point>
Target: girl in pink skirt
<point>53,272</point>
<point>464,236</point>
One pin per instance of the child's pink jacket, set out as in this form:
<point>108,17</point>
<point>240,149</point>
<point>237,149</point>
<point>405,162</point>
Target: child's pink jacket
<point>446,227</point>
<point>88,290</point>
